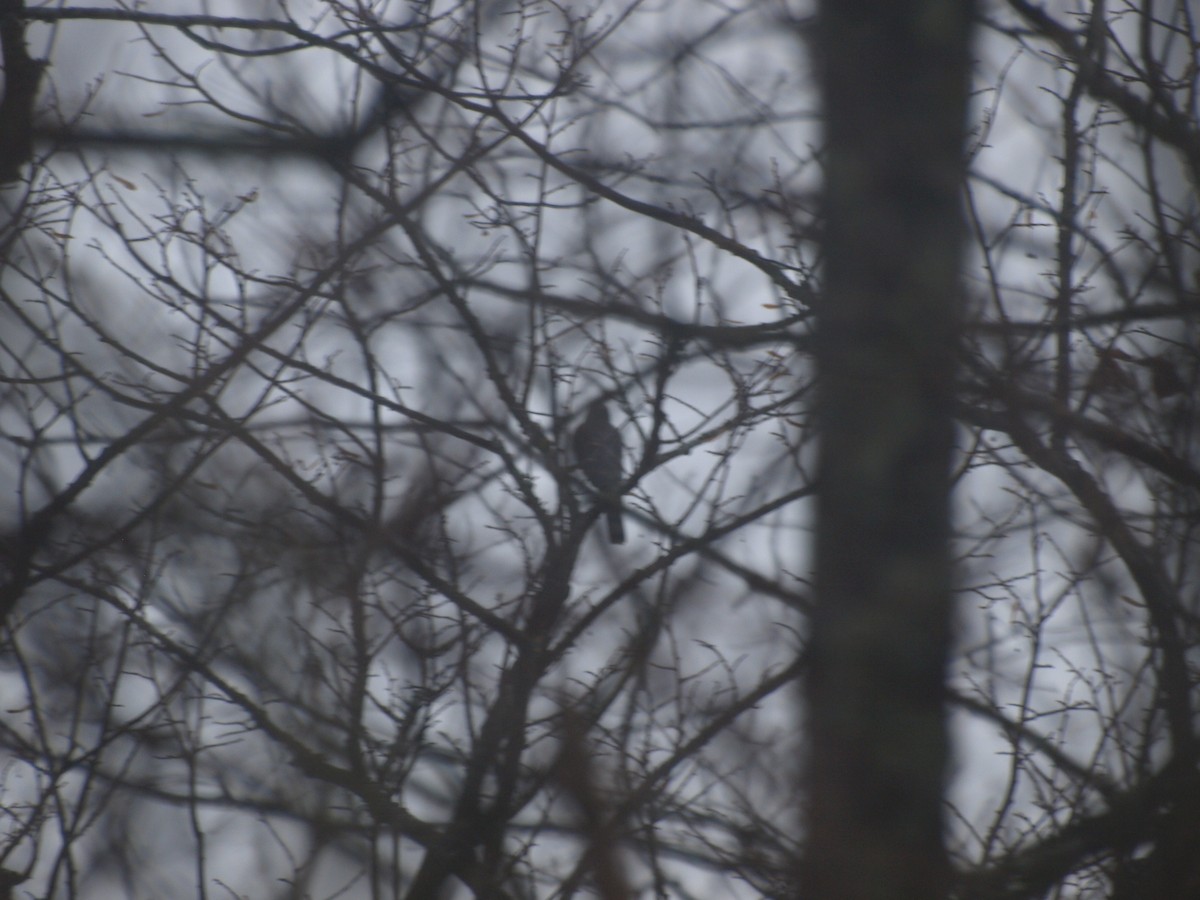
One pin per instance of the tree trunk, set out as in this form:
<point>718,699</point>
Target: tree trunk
<point>895,78</point>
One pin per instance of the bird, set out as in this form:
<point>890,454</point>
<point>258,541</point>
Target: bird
<point>598,452</point>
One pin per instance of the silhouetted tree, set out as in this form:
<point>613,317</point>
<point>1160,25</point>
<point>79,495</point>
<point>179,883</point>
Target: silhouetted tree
<point>301,589</point>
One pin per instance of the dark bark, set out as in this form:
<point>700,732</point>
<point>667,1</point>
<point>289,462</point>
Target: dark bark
<point>22,74</point>
<point>895,89</point>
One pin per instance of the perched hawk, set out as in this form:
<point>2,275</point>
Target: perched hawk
<point>598,452</point>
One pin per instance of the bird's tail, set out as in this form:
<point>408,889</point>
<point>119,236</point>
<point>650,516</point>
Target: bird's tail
<point>616,527</point>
